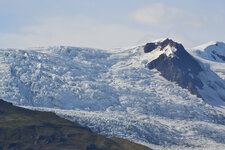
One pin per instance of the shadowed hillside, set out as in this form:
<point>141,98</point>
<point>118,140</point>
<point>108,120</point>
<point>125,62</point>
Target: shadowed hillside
<point>26,129</point>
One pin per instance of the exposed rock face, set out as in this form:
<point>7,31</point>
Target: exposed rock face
<point>150,47</point>
<point>218,55</point>
<point>182,69</point>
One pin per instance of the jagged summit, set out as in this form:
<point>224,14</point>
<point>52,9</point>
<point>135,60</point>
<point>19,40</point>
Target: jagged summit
<point>182,69</point>
<point>177,65</point>
<point>169,42</point>
<point>168,47</point>
<point>162,44</point>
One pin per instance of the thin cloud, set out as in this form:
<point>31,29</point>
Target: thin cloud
<point>156,13</point>
<point>159,13</point>
<point>72,30</point>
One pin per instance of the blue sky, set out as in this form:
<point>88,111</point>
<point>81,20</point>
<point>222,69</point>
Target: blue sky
<point>109,23</point>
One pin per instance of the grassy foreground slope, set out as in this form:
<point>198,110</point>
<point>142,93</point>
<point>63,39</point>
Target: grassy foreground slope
<point>34,130</point>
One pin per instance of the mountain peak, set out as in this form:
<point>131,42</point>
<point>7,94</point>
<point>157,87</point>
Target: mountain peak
<point>171,43</point>
<point>161,44</point>
<point>175,64</point>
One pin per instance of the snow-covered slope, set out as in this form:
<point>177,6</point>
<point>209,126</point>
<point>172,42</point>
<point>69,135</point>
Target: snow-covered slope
<point>213,54</point>
<point>115,94</point>
<point>214,51</point>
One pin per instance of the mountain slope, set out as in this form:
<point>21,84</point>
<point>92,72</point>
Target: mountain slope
<point>25,129</point>
<point>214,51</point>
<point>177,65</point>
<point>213,54</point>
<point>113,93</point>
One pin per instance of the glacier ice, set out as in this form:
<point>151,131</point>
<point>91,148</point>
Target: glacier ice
<point>113,93</point>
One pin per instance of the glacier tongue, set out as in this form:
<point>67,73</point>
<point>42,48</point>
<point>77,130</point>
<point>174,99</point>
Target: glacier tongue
<point>112,93</point>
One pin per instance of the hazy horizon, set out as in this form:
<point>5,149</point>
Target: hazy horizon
<point>109,24</point>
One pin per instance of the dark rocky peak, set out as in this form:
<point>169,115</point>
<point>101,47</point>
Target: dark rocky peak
<point>150,47</point>
<point>182,69</point>
<point>171,43</point>
<point>162,45</point>
<point>187,61</point>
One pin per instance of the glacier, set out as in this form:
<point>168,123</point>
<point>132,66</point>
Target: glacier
<point>113,93</point>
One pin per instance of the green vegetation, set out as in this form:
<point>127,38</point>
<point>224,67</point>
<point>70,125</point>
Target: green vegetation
<point>34,130</point>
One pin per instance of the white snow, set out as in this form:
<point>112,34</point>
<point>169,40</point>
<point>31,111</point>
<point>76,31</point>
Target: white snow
<point>169,51</point>
<point>112,93</point>
<point>205,53</point>
<point>204,46</point>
